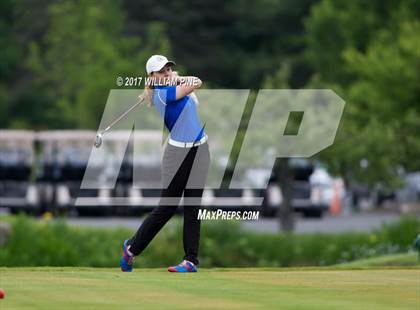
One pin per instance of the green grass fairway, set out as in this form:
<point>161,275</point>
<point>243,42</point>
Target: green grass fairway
<point>264,288</point>
<point>401,259</point>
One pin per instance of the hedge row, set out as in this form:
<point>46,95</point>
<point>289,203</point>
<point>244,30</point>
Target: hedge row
<point>223,244</point>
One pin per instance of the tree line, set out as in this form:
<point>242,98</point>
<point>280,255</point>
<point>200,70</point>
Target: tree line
<point>60,58</point>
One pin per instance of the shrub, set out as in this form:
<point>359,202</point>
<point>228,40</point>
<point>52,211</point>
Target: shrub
<point>223,244</point>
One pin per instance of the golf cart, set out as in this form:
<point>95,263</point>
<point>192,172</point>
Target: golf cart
<point>17,189</point>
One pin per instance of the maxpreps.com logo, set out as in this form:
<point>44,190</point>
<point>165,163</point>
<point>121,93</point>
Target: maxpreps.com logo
<point>263,139</point>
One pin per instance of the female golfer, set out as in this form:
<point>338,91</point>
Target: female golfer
<point>184,166</point>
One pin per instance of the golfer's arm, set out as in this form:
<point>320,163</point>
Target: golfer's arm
<point>187,88</point>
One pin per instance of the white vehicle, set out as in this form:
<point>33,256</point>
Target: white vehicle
<point>17,189</point>
<point>62,165</point>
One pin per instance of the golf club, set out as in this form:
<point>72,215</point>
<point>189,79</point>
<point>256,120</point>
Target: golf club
<point>98,139</point>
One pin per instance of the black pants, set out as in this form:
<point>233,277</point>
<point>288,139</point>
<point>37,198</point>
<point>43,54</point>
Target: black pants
<point>184,172</point>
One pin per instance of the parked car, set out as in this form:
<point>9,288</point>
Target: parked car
<point>410,192</point>
<point>312,190</point>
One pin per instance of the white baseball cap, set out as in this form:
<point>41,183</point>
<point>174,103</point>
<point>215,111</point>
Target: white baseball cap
<point>156,63</point>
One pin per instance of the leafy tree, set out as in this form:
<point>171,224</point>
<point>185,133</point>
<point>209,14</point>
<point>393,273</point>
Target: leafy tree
<point>86,44</point>
<point>9,58</point>
<point>81,55</point>
<point>233,44</point>
<point>367,51</point>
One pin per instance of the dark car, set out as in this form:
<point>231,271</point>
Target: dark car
<point>309,197</point>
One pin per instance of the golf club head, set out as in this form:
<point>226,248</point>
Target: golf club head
<point>98,140</point>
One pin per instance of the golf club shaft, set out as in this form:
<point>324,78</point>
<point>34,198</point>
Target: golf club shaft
<point>124,114</point>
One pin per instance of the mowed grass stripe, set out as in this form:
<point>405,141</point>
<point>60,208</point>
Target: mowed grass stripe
<point>65,288</point>
<point>374,289</point>
<point>111,289</point>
